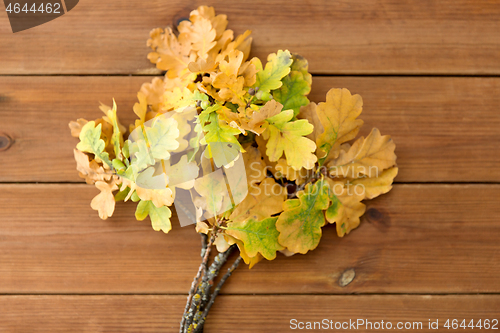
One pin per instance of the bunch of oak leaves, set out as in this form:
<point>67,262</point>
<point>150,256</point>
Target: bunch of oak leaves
<point>301,158</point>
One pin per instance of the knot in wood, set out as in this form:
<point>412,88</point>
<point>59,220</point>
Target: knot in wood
<point>347,277</point>
<point>5,141</point>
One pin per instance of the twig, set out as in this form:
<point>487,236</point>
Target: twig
<point>204,243</point>
<point>213,272</point>
<point>194,285</point>
<point>201,297</point>
<point>199,326</point>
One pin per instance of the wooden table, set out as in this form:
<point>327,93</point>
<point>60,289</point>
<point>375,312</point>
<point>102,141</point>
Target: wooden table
<point>428,72</point>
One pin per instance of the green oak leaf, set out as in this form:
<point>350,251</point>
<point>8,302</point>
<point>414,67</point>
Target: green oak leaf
<point>293,92</point>
<point>91,142</point>
<point>300,223</point>
<point>278,66</point>
<point>257,236</point>
<point>116,138</point>
<point>160,217</point>
<point>296,85</point>
<point>121,195</point>
<point>162,137</point>
<point>219,132</point>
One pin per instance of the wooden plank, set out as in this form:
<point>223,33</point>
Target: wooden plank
<point>348,37</point>
<point>443,131</point>
<point>416,239</point>
<point>271,314</point>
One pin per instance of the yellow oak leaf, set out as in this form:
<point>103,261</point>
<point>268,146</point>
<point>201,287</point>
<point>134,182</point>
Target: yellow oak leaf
<point>221,243</point>
<point>257,117</point>
<point>91,171</point>
<point>203,65</point>
<point>153,92</point>
<point>283,170</point>
<point>255,166</point>
<point>261,146</point>
<point>151,191</point>
<point>346,208</point>
<point>200,34</point>
<point>160,216</point>
<point>231,88</point>
<point>202,227</point>
<point>169,53</point>
<point>249,72</point>
<point>219,22</point>
<point>177,99</point>
<point>141,108</point>
<point>182,79</point>
<point>309,112</point>
<point>250,261</point>
<point>375,186</point>
<point>262,202</point>
<point>338,117</point>
<point>163,197</point>
<point>367,157</point>
<point>76,127</point>
<point>242,43</point>
<point>286,136</point>
<point>104,202</point>
<point>232,65</point>
<point>222,43</point>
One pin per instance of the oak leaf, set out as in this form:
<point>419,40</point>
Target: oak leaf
<point>375,186</point>
<point>255,166</point>
<point>153,92</point>
<point>286,136</point>
<point>169,53</point>
<point>214,195</point>
<point>250,261</point>
<point>91,171</point>
<point>219,22</point>
<point>104,202</point>
<point>257,236</point>
<point>300,223</point>
<point>76,127</point>
<point>255,121</point>
<point>200,34</point>
<point>262,201</point>
<point>160,216</point>
<point>365,157</point>
<point>277,66</point>
<point>338,115</point>
<point>91,142</point>
<point>346,208</point>
<point>309,113</point>
<point>296,86</point>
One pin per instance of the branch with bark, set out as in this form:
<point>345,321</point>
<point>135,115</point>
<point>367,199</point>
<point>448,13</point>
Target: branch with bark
<point>202,294</point>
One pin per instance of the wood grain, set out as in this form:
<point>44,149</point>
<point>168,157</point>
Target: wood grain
<point>415,239</point>
<point>445,129</point>
<point>265,314</point>
<point>338,37</point>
